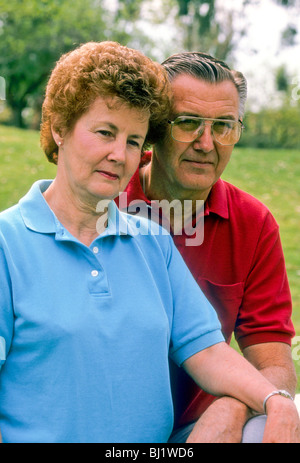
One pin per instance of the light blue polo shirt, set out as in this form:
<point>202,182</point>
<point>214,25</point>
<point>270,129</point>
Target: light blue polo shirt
<point>85,332</point>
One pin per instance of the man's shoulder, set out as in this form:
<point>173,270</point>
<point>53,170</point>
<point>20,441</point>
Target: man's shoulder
<point>242,203</point>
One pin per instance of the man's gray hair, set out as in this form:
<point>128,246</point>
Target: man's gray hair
<point>207,68</point>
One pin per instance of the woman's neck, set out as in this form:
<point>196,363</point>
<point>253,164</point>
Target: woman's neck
<point>79,217</point>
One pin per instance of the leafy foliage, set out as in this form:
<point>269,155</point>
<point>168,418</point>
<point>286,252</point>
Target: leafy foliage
<point>272,129</point>
<point>34,34</point>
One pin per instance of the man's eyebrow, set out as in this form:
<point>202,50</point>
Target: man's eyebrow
<point>188,114</point>
<point>228,117</point>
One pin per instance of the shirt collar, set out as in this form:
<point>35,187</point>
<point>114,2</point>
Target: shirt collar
<point>38,216</point>
<point>35,211</point>
<point>217,201</point>
<point>118,222</point>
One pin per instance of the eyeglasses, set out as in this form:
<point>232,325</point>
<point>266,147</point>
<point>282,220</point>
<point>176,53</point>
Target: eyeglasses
<point>186,129</point>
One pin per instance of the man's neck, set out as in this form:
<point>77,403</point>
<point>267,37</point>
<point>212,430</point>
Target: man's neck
<point>185,205</point>
<point>157,187</point>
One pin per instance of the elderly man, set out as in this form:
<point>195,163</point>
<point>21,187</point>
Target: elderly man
<point>240,264</point>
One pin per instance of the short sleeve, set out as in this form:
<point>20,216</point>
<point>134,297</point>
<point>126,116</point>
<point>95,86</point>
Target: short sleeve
<point>6,309</point>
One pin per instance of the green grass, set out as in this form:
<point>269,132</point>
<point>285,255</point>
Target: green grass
<point>273,176</point>
<point>21,163</point>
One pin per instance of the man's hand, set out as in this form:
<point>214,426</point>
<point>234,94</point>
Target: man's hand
<point>222,422</point>
<point>283,424</point>
<point>274,361</point>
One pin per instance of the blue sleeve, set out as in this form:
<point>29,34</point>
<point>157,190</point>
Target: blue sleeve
<point>195,324</point>
<point>6,309</point>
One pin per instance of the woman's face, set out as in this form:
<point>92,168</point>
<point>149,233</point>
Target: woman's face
<point>99,156</point>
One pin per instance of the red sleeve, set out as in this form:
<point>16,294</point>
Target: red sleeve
<point>265,313</point>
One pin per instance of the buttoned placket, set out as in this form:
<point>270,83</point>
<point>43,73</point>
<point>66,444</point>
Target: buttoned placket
<point>95,251</point>
<point>97,281</point>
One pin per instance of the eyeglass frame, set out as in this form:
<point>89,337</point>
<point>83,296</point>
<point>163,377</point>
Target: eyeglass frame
<point>242,127</point>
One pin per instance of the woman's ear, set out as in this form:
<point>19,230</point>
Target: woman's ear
<point>56,136</point>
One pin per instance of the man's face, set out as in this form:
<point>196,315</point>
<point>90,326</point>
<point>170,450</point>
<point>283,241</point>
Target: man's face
<point>189,170</point>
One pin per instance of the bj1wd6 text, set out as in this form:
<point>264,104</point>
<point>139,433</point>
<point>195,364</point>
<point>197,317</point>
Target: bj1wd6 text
<point>170,452</point>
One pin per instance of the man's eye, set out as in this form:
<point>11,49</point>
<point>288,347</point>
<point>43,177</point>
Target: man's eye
<point>188,124</point>
<point>223,125</point>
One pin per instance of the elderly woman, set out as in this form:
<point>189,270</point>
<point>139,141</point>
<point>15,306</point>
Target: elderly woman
<point>90,309</point>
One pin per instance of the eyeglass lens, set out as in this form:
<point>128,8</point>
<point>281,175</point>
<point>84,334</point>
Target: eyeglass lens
<point>188,129</point>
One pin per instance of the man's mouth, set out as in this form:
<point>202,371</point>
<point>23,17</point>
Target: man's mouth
<point>199,162</point>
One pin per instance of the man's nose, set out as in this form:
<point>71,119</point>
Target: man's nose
<point>205,141</point>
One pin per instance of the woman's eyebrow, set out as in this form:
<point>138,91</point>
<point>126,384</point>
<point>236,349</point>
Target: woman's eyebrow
<point>114,127</point>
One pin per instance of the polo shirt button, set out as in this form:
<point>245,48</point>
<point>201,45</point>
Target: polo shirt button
<point>95,250</point>
<point>94,273</point>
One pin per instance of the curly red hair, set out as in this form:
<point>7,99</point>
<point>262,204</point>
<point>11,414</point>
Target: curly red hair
<point>105,69</point>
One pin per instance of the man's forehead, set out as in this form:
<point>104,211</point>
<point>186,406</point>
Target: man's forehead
<point>197,97</point>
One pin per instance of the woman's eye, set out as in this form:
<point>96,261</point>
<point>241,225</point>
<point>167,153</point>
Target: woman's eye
<point>134,144</point>
<point>105,133</point>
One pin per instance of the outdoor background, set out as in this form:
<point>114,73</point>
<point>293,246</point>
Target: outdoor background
<point>261,38</point>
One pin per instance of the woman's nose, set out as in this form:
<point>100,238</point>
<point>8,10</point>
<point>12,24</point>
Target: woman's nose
<point>118,151</point>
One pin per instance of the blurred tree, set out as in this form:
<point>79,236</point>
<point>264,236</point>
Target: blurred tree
<point>282,80</point>
<point>217,27</point>
<point>288,37</point>
<point>210,25</point>
<point>33,35</point>
<point>272,128</point>
<point>288,3</point>
<point>289,87</point>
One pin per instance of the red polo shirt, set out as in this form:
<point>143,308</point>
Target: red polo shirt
<point>241,269</point>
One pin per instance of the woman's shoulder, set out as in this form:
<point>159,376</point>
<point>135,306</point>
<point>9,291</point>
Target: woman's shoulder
<point>10,216</point>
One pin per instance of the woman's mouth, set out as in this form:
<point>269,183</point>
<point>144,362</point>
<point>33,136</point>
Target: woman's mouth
<point>108,175</point>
